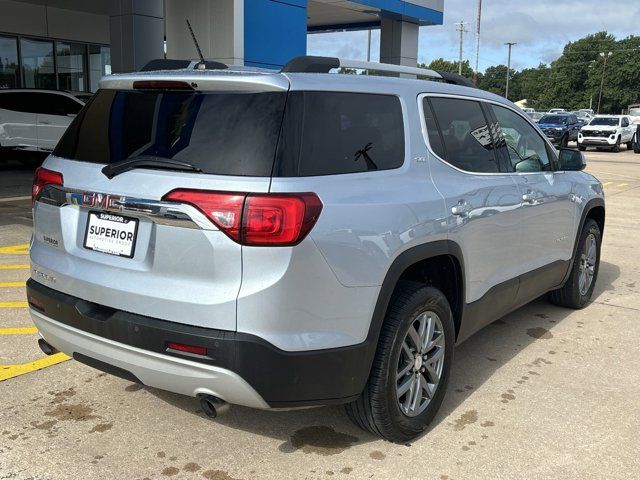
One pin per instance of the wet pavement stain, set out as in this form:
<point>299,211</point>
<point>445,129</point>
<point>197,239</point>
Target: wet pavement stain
<point>217,475</point>
<point>377,455</point>
<point>540,333</point>
<point>66,411</point>
<point>320,440</point>
<point>64,395</point>
<point>161,454</point>
<point>467,418</point>
<point>329,472</point>
<point>487,423</point>
<point>191,467</point>
<point>507,397</point>
<point>170,471</point>
<point>101,427</point>
<point>48,425</point>
<point>346,470</point>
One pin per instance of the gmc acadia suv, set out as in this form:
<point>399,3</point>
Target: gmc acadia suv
<point>297,238</point>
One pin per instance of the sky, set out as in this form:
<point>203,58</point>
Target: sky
<point>540,28</point>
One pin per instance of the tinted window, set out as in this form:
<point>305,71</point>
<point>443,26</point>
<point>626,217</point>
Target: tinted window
<point>435,141</point>
<point>54,104</point>
<point>18,102</point>
<point>327,133</point>
<point>526,148</point>
<point>9,74</point>
<point>466,136</point>
<point>625,122</point>
<point>221,133</point>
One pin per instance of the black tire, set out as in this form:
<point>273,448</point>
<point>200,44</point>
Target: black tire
<point>564,142</point>
<point>377,409</point>
<point>636,144</point>
<point>629,145</point>
<point>581,148</point>
<point>570,295</point>
<point>616,147</point>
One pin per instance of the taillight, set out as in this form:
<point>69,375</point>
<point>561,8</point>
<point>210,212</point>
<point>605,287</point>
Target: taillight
<point>182,347</point>
<point>44,177</point>
<point>256,219</point>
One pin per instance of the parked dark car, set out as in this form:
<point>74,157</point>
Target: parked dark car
<point>560,128</point>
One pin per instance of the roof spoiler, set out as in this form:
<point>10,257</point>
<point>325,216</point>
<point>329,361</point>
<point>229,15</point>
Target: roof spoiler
<point>313,64</point>
<point>175,64</point>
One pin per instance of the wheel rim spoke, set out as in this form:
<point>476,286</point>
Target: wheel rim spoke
<point>420,362</point>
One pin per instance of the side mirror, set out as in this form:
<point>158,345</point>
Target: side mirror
<point>571,160</point>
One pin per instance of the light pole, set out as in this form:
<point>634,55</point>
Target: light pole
<point>478,20</point>
<point>509,44</point>
<point>604,67</point>
<point>461,28</point>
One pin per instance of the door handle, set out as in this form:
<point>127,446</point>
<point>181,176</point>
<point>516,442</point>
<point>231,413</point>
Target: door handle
<point>462,209</point>
<point>44,123</point>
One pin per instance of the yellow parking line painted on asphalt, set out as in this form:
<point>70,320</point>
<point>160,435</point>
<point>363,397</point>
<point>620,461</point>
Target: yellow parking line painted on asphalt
<point>11,371</point>
<point>18,330</point>
<point>14,266</point>
<point>12,284</point>
<point>20,249</point>
<point>13,304</point>
<point>607,183</point>
<point>623,184</point>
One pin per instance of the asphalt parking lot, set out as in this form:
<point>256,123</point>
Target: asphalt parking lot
<point>542,393</point>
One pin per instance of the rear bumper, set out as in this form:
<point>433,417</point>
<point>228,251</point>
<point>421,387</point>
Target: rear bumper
<point>238,368</point>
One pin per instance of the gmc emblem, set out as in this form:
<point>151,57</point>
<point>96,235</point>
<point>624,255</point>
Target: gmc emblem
<point>102,200</point>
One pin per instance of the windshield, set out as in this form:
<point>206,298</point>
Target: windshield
<point>605,121</point>
<point>223,133</point>
<point>555,119</point>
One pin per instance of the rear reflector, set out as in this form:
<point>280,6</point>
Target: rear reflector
<point>256,219</point>
<point>181,347</point>
<point>44,177</point>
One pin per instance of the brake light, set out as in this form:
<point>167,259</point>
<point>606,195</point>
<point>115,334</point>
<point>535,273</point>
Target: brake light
<point>41,178</point>
<point>256,219</point>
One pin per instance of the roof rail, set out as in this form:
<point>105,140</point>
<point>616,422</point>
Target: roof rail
<point>176,64</point>
<point>313,64</point>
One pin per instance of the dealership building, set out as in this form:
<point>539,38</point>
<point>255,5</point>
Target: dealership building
<point>71,44</point>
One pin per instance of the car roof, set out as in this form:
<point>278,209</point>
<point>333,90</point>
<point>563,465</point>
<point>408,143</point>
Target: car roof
<point>243,78</point>
<point>39,90</point>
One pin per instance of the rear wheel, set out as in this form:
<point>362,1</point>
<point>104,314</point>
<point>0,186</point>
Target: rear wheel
<point>410,372</point>
<point>577,292</point>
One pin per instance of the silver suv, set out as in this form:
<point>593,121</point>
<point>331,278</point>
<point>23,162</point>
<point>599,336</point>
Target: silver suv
<point>297,238</point>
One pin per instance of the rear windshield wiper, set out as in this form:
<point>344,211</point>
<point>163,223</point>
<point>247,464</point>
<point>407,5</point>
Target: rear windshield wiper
<point>150,161</point>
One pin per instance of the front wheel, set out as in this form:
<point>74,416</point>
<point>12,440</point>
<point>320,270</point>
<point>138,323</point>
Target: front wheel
<point>564,142</point>
<point>616,147</point>
<point>410,371</point>
<point>577,292</point>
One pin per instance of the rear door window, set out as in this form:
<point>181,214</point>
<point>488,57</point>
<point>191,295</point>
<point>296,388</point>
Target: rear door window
<point>329,133</point>
<point>467,139</point>
<point>225,133</point>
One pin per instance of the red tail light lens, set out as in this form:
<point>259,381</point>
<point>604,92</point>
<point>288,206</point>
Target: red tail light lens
<point>223,209</point>
<point>44,177</point>
<point>256,219</point>
<point>181,347</point>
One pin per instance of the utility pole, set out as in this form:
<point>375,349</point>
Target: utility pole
<point>604,67</point>
<point>461,28</point>
<point>475,72</point>
<point>510,45</point>
<point>369,45</point>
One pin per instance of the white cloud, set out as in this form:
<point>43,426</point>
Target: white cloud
<point>540,27</point>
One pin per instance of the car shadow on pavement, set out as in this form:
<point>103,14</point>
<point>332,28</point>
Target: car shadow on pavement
<point>476,360</point>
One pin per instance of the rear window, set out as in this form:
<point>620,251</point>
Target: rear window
<point>221,133</point>
<point>328,133</point>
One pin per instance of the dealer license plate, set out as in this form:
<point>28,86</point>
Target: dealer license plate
<point>111,233</point>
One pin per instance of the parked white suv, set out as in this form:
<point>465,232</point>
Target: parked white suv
<point>34,120</point>
<point>608,131</point>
